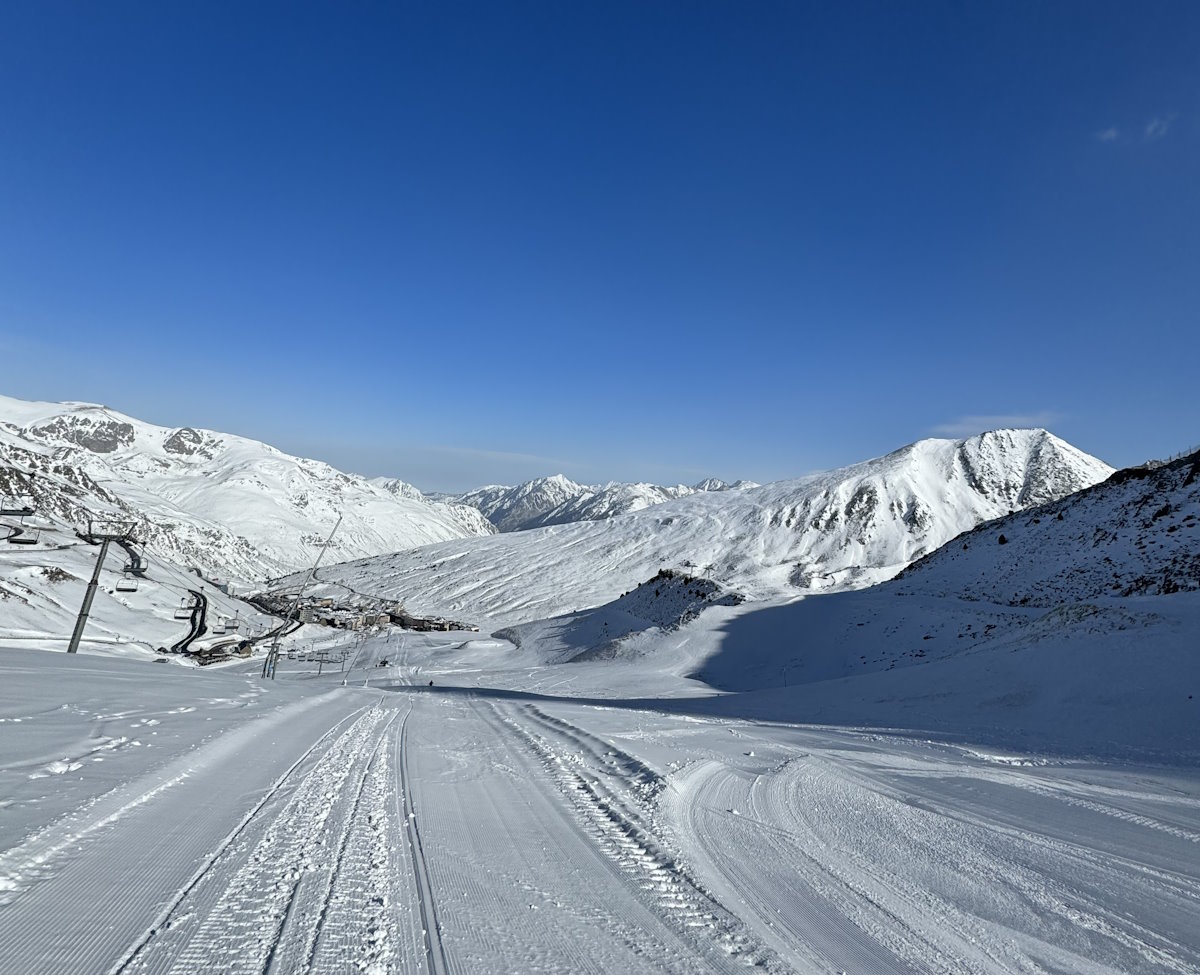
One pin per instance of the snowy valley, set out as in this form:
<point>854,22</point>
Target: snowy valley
<point>933,712</point>
<point>839,530</point>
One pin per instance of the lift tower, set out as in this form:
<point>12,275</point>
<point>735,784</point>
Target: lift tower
<point>272,659</point>
<point>104,532</point>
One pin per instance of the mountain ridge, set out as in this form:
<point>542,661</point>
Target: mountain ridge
<point>557,500</point>
<point>837,530</point>
<point>234,506</point>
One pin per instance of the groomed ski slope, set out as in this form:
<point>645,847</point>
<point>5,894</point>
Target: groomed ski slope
<point>169,821</point>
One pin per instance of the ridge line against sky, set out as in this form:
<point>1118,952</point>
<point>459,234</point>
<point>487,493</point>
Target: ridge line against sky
<point>962,429</point>
<point>484,243</point>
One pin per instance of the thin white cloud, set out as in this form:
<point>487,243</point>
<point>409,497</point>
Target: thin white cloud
<point>1157,127</point>
<point>1111,134</point>
<point>967,426</point>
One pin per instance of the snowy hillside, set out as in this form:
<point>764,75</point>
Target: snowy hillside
<point>663,603</point>
<point>236,507</point>
<point>902,779</point>
<point>838,530</point>
<point>1078,631</point>
<point>42,588</point>
<point>557,500</point>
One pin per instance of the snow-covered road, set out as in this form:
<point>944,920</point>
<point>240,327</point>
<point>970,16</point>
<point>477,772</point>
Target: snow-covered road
<point>400,828</point>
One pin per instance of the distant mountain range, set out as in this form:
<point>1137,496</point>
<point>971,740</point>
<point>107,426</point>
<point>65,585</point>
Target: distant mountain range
<point>1011,539</point>
<point>557,500</point>
<point>243,509</point>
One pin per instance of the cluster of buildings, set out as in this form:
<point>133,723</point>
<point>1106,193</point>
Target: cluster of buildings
<point>327,612</point>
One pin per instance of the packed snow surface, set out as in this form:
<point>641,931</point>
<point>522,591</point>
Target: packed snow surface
<point>590,817</point>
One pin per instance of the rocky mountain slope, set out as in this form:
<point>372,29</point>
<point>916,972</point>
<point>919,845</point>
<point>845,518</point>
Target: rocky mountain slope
<point>1084,558</point>
<point>515,508</point>
<point>235,507</point>
<point>839,530</point>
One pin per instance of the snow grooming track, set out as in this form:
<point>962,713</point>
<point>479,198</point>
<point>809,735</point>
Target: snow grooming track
<point>435,953</point>
<point>903,862</point>
<point>361,921</point>
<point>594,776</point>
<point>164,920</point>
<point>274,905</point>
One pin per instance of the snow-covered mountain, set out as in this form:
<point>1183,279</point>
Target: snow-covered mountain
<point>467,515</point>
<point>514,508</point>
<point>401,489</point>
<point>839,530</point>
<point>716,484</point>
<point>235,507</point>
<point>1136,533</point>
<point>608,502</point>
<point>1074,622</point>
<point>557,500</point>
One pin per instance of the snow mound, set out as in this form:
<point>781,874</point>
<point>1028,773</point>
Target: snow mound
<point>664,603</point>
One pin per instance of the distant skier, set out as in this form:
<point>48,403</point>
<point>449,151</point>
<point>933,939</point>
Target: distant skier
<point>431,683</point>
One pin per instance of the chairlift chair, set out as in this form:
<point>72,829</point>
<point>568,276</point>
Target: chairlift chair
<point>19,536</point>
<point>219,628</point>
<point>184,612</point>
<point>127,584</point>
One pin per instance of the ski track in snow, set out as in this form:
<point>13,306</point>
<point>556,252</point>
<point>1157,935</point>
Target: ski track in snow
<point>613,794</point>
<point>929,868</point>
<point>314,891</point>
<point>431,935</point>
<point>459,830</point>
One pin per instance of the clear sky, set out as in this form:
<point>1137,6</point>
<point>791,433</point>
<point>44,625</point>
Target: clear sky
<point>465,243</point>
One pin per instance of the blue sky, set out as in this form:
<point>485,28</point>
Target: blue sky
<point>463,243</point>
